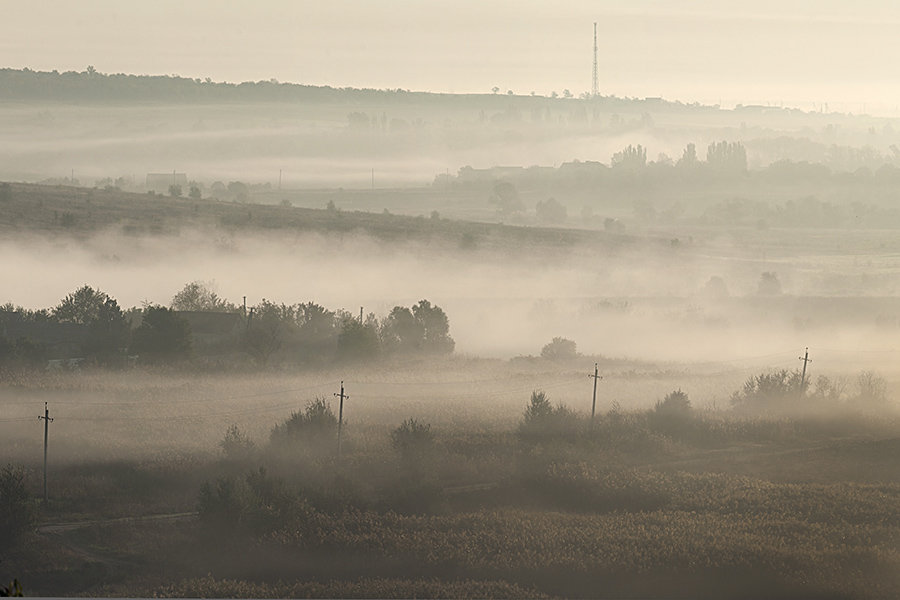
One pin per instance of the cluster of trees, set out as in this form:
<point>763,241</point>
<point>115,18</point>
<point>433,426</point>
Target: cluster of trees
<point>89,324</point>
<point>725,160</point>
<point>506,197</point>
<point>310,333</point>
<point>312,433</point>
<point>787,390</point>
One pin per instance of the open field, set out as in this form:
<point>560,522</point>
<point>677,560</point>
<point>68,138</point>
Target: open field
<point>706,504</point>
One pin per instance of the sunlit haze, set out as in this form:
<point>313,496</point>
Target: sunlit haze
<point>803,54</point>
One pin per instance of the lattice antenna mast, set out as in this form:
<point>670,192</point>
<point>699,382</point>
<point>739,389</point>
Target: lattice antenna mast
<point>595,81</point>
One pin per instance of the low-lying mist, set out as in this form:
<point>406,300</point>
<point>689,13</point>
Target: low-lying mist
<point>643,299</point>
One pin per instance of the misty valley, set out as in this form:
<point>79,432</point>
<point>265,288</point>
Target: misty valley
<point>266,340</point>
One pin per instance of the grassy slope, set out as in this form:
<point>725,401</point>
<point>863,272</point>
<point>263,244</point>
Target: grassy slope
<point>42,210</point>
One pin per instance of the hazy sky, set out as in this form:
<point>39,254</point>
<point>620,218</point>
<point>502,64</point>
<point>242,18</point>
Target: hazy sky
<point>792,52</point>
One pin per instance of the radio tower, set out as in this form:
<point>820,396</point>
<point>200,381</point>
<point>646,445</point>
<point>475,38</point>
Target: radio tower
<point>595,82</point>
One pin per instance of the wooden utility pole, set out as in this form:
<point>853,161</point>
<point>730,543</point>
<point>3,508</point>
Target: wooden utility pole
<point>595,377</point>
<point>46,418</point>
<point>343,397</point>
<point>806,359</point>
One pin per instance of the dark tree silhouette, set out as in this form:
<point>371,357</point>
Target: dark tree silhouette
<point>630,158</point>
<point>198,296</point>
<point>81,306</point>
<point>162,337</point>
<point>436,325</point>
<point>107,328</point>
<point>730,157</point>
<point>402,332</point>
<point>357,341</point>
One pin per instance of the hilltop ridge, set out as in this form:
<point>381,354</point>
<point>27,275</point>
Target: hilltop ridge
<point>91,85</point>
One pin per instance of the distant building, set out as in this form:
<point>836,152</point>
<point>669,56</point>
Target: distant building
<point>160,182</point>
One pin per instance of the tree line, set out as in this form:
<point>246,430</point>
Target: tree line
<point>724,161</point>
<point>89,325</point>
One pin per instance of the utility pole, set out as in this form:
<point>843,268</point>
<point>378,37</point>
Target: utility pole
<point>360,315</point>
<point>343,397</point>
<point>595,377</point>
<point>46,418</point>
<point>806,359</point>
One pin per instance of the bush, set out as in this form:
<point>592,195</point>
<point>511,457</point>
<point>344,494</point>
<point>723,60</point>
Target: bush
<point>414,441</point>
<point>17,512</point>
<point>559,349</point>
<point>539,409</point>
<point>236,445</point>
<point>872,388</point>
<point>255,504</point>
<point>542,419</point>
<point>674,417</point>
<point>314,427</point>
<point>770,391</point>
<point>163,336</point>
<point>676,404</point>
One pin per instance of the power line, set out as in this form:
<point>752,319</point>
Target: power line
<point>189,416</point>
<point>183,402</point>
<point>434,383</point>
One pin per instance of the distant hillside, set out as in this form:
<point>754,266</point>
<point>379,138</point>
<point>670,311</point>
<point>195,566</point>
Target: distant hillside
<point>79,212</point>
<point>95,87</point>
